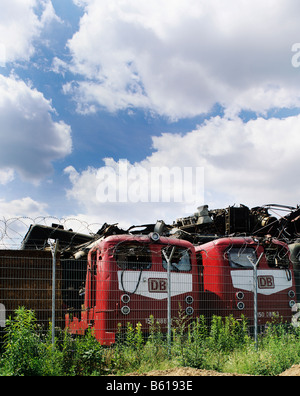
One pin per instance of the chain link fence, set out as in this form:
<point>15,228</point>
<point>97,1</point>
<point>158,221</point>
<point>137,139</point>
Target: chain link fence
<point>146,279</point>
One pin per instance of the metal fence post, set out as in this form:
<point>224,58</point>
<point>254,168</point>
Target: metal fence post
<point>168,259</point>
<point>255,296</point>
<point>54,249</point>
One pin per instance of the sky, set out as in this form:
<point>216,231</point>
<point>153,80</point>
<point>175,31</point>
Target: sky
<point>99,96</point>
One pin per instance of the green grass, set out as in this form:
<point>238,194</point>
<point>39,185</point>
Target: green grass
<point>223,345</point>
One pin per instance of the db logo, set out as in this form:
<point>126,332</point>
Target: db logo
<point>266,282</point>
<point>157,285</point>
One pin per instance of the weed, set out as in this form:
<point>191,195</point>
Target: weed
<point>24,350</point>
<point>222,345</point>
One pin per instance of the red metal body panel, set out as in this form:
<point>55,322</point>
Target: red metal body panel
<point>117,294</point>
<point>228,287</point>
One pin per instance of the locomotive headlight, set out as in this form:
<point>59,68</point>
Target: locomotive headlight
<point>155,236</point>
<point>125,298</point>
<point>125,310</point>
<point>189,299</point>
<point>291,294</point>
<point>240,305</point>
<point>292,303</point>
<point>189,310</point>
<point>240,295</point>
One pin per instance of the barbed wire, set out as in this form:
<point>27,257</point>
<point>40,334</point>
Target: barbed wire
<point>13,230</point>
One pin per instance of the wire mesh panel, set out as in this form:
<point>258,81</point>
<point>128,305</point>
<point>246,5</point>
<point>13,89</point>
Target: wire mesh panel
<point>108,278</point>
<point>124,279</point>
<point>26,281</point>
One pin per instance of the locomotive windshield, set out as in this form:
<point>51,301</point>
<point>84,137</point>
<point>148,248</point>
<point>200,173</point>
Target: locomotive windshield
<point>180,260</point>
<point>239,257</point>
<point>133,256</point>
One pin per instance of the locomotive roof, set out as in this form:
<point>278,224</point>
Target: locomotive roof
<point>227,241</point>
<point>144,239</point>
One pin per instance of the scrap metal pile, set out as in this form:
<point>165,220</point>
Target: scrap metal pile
<point>267,221</point>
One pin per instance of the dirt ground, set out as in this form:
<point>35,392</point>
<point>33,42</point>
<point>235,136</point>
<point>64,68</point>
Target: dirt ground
<point>187,371</point>
<point>293,371</point>
<point>183,371</point>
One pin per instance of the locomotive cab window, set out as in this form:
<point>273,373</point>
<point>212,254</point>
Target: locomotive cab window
<point>239,257</point>
<point>133,256</point>
<point>180,261</point>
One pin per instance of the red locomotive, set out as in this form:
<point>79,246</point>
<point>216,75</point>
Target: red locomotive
<point>226,267</point>
<point>127,282</point>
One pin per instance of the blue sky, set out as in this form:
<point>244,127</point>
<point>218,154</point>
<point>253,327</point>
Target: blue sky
<point>85,84</point>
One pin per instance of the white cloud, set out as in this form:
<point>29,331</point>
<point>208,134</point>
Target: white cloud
<point>249,163</point>
<point>21,25</point>
<point>6,175</point>
<point>252,163</point>
<point>16,217</point>
<point>179,57</point>
<point>30,139</point>
<point>19,207</point>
